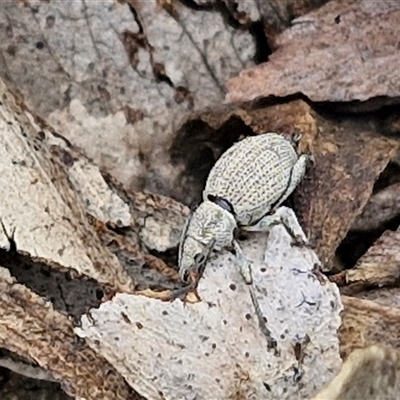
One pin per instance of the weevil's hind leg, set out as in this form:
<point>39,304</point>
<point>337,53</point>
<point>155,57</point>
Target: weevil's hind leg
<point>243,264</point>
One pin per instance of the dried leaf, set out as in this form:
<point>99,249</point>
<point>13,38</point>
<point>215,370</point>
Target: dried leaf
<point>40,205</point>
<point>33,330</point>
<point>324,57</point>
<point>365,323</point>
<point>379,267</point>
<point>112,76</point>
<point>371,373</point>
<point>219,348</point>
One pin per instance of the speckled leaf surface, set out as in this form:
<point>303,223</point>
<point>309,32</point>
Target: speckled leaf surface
<point>215,348</point>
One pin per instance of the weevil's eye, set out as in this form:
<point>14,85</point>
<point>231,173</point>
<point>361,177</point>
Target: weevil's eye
<point>199,258</point>
<point>186,276</point>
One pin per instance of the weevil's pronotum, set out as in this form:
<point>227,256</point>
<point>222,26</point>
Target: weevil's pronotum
<point>245,186</point>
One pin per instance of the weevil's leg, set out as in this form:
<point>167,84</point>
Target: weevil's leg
<point>278,218</point>
<point>271,342</point>
<point>265,223</point>
<point>293,229</point>
<point>298,171</point>
<point>295,138</point>
<point>243,263</point>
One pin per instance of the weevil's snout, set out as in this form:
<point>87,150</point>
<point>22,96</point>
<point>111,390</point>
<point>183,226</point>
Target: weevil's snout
<point>192,261</point>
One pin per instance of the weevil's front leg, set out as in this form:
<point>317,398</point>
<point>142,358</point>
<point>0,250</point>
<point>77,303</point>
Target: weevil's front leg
<point>243,264</point>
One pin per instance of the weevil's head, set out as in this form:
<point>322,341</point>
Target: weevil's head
<point>208,227</point>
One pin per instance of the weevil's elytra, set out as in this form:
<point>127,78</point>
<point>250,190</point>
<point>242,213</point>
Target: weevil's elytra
<point>245,186</point>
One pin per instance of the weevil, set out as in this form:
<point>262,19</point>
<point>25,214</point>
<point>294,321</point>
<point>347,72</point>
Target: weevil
<point>243,189</point>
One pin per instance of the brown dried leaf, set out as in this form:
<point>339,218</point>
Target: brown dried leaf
<point>380,266</point>
<point>371,373</point>
<point>340,183</point>
<point>388,296</point>
<point>342,52</point>
<point>33,330</point>
<point>366,323</point>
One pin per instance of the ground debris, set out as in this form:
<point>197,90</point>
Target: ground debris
<point>369,373</point>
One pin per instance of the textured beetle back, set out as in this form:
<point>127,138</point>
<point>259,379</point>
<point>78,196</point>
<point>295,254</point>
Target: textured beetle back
<point>252,175</point>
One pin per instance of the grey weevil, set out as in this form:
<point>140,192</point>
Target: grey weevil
<point>243,189</point>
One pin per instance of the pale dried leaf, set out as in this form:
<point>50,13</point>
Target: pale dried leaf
<point>48,217</point>
<point>215,348</point>
<point>344,51</point>
<point>113,76</point>
<point>371,373</point>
